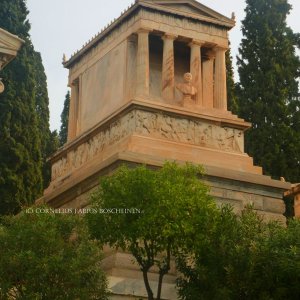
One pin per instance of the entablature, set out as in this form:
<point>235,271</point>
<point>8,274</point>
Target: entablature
<point>209,23</point>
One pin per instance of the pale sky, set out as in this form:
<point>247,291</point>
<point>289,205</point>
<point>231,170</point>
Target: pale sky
<point>63,26</point>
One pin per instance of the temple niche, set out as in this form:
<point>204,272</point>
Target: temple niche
<point>151,87</point>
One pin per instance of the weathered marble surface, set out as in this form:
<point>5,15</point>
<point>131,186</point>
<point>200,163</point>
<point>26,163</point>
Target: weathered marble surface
<point>154,124</point>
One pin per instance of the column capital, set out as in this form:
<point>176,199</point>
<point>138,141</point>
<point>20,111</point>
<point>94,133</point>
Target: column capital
<point>210,55</point>
<point>144,30</point>
<point>132,38</point>
<point>196,43</point>
<point>169,36</point>
<point>220,48</point>
<point>75,82</point>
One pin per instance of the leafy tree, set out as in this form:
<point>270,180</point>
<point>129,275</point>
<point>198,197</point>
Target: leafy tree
<point>268,89</point>
<point>64,117</point>
<point>48,256</point>
<point>242,258</point>
<point>231,93</point>
<point>170,204</point>
<point>24,117</point>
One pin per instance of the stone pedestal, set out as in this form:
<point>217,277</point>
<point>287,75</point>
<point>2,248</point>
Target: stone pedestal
<point>151,134</point>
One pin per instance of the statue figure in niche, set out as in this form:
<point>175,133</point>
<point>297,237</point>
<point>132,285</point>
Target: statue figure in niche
<point>188,90</point>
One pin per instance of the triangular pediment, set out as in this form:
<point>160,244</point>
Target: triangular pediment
<point>192,8</point>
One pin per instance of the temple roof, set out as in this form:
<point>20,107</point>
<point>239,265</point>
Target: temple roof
<point>184,8</point>
<point>192,8</point>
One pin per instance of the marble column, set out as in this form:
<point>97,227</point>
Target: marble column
<point>220,91</point>
<point>73,110</point>
<point>168,81</point>
<point>196,69</point>
<point>208,80</point>
<point>142,63</point>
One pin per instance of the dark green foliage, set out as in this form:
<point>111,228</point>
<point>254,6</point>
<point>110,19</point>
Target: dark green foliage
<point>13,17</point>
<point>231,94</point>
<point>172,204</point>
<point>24,117</point>
<point>289,206</point>
<point>20,154</point>
<point>48,256</point>
<point>64,117</point>
<point>242,258</point>
<point>51,147</point>
<point>42,110</point>
<point>268,88</point>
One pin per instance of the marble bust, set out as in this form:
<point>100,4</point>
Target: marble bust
<point>188,90</point>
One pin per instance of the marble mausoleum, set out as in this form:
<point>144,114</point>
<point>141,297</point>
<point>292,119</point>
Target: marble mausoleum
<point>150,87</point>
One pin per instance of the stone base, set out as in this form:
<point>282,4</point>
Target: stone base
<point>227,186</point>
<point>148,135</point>
<point>126,279</point>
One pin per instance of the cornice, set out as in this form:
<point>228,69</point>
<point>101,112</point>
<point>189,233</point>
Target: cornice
<point>9,46</point>
<point>219,20</point>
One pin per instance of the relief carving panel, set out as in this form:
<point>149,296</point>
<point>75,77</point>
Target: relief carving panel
<point>183,130</point>
<point>94,146</point>
<point>153,124</point>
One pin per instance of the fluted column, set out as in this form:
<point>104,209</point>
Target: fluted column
<point>196,69</point>
<point>168,82</point>
<point>142,63</point>
<point>208,80</point>
<point>220,91</point>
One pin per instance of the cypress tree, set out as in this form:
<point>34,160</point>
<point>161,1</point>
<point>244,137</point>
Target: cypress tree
<point>48,143</point>
<point>231,94</point>
<point>51,146</point>
<point>64,117</point>
<point>24,116</point>
<point>268,90</point>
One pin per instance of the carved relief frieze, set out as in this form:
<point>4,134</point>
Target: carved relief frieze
<point>157,125</point>
<point>94,146</point>
<point>193,132</point>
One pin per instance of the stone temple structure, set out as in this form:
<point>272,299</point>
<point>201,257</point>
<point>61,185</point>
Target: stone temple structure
<point>150,87</point>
